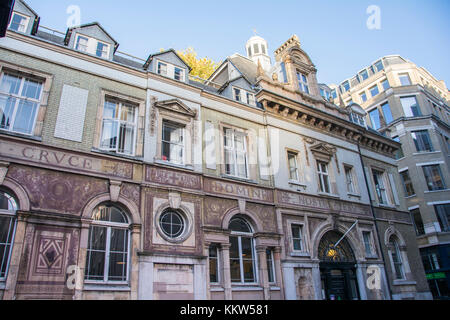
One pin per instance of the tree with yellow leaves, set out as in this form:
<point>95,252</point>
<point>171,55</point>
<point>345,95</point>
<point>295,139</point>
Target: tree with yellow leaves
<point>201,67</point>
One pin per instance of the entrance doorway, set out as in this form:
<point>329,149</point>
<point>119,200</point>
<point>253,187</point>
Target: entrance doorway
<point>337,268</point>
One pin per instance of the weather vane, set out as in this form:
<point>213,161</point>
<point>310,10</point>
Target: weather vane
<point>254,31</point>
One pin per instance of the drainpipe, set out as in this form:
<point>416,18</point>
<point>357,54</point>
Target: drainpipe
<point>375,220</point>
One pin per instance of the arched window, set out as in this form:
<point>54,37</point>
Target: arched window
<point>396,258</point>
<point>242,252</point>
<point>108,246</point>
<point>8,208</point>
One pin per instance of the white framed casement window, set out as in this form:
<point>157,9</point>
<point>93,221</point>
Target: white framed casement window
<point>162,68</point>
<point>178,74</point>
<point>322,173</point>
<point>380,186</point>
<point>19,22</point>
<point>93,46</point>
<point>20,98</point>
<point>297,237</point>
<point>270,266</point>
<point>293,166</point>
<point>235,153</point>
<point>119,127</point>
<point>350,180</point>
<point>214,263</point>
<point>302,82</point>
<point>169,70</point>
<point>241,95</point>
<point>107,260</point>
<point>243,262</point>
<point>173,142</point>
<point>374,91</point>
<point>8,209</point>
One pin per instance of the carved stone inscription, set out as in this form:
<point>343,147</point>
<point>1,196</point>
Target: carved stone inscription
<point>68,160</point>
<point>238,190</point>
<point>173,178</point>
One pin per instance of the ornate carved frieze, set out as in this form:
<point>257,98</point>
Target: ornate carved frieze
<point>173,178</point>
<point>237,190</point>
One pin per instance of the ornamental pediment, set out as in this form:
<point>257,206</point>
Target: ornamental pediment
<point>175,105</point>
<point>323,151</point>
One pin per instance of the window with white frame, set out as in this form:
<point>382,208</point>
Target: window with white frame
<point>270,266</point>
<point>93,46</point>
<point>396,258</point>
<point>385,84</point>
<point>19,22</point>
<point>8,208</point>
<point>379,66</point>
<point>303,82</point>
<point>350,179</point>
<point>20,98</point>
<point>244,96</point>
<point>358,119</point>
<point>297,237</point>
<point>214,264</point>
<point>108,247</point>
<point>380,187</point>
<point>364,75</point>
<point>173,142</point>
<point>170,70</point>
<point>293,167</point>
<point>119,127</point>
<point>235,153</point>
<point>322,172</point>
<point>173,225</point>
<point>162,68</point>
<point>243,267</point>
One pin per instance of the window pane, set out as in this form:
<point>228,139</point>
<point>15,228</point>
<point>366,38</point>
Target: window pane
<point>18,23</point>
<point>7,202</point>
<point>239,225</point>
<point>433,177</point>
<point>126,138</point>
<point>117,267</point>
<point>82,44</point>
<point>241,165</point>
<point>6,111</point>
<point>270,270</point>
<point>229,162</point>
<point>10,84</point>
<point>213,264</point>
<point>443,214</point>
<point>404,79</point>
<point>367,245</point>
<point>374,91</point>
<point>109,134</point>
<point>410,107</point>
<point>96,265</point>
<point>97,239</point>
<point>31,89</point>
<point>119,240</point>
<point>407,183</point>
<point>385,85</point>
<point>375,119</point>
<point>422,140</point>
<point>25,115</point>
<point>387,113</point>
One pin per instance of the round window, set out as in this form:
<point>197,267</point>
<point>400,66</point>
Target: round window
<point>172,224</point>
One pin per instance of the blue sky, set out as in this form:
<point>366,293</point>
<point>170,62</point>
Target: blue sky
<point>333,33</point>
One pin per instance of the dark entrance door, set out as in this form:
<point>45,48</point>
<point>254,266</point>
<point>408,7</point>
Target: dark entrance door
<point>337,268</point>
<point>339,281</point>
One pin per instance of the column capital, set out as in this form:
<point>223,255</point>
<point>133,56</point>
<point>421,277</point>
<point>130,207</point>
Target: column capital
<point>260,248</point>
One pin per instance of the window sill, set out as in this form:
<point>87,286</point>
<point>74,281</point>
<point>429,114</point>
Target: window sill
<point>356,195</point>
<point>297,183</point>
<point>215,288</point>
<point>404,282</point>
<point>115,154</point>
<point>243,287</point>
<point>106,287</point>
<point>412,196</point>
<point>329,195</point>
<point>20,135</point>
<point>174,165</point>
<point>226,176</point>
<point>425,153</point>
<point>389,206</point>
<point>443,190</point>
<point>300,254</point>
<point>371,256</point>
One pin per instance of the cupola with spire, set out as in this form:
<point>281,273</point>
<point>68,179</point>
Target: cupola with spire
<point>257,51</point>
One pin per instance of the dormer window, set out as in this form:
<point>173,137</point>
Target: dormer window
<point>92,46</point>
<point>303,82</point>
<point>244,96</point>
<point>19,22</point>
<point>358,119</point>
<point>364,75</point>
<point>169,70</point>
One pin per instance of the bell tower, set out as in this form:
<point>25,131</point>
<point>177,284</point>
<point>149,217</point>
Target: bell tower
<point>257,50</point>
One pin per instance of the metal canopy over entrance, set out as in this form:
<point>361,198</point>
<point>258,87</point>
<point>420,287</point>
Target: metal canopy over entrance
<point>337,268</point>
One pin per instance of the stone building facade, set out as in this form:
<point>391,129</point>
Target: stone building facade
<point>122,178</point>
<point>405,102</point>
